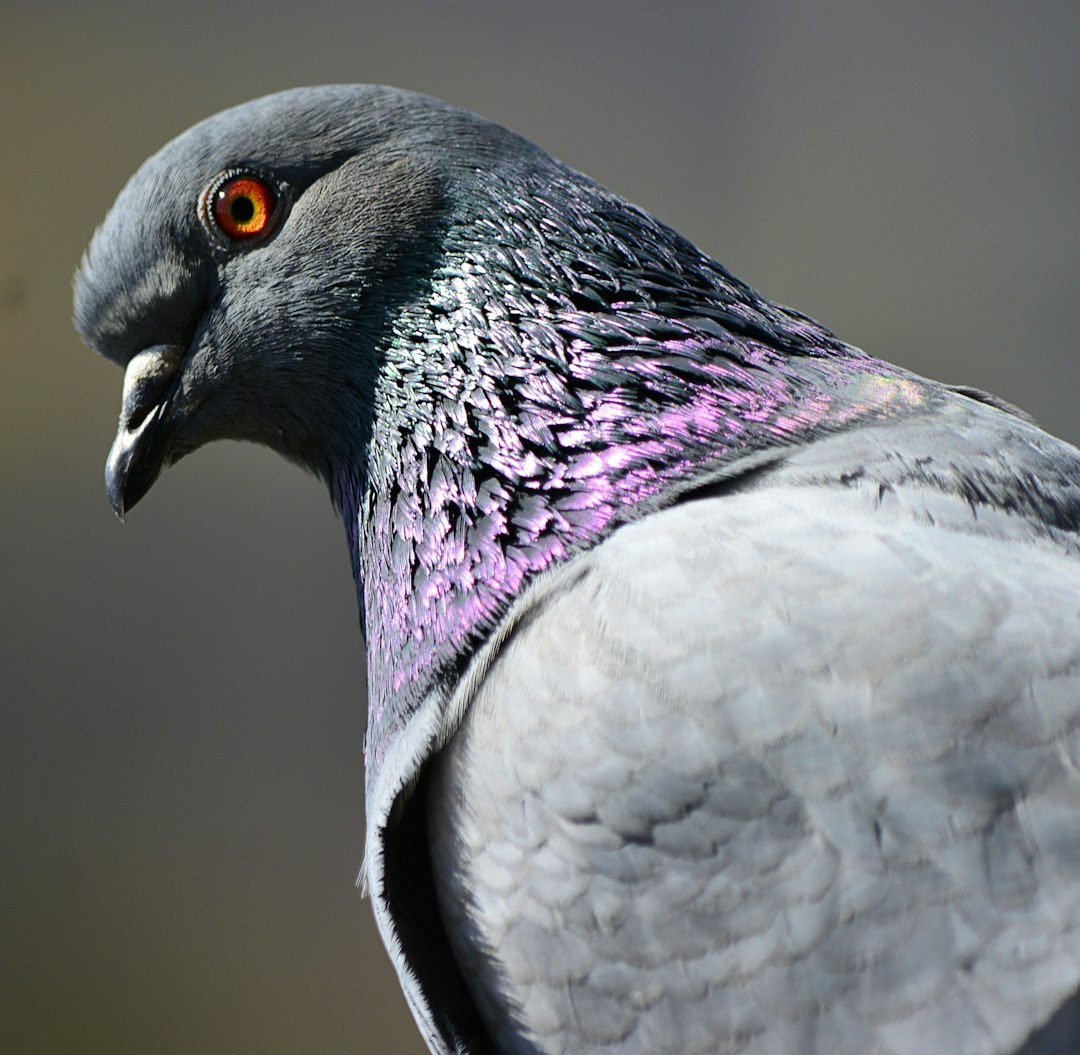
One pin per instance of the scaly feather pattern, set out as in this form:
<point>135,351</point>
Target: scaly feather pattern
<point>575,364</point>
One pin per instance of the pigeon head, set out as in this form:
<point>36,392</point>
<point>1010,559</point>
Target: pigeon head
<point>490,359</point>
<point>245,274</point>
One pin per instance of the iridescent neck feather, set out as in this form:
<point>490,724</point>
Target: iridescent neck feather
<point>572,362</point>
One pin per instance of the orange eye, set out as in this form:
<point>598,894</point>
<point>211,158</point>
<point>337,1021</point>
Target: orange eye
<point>243,207</point>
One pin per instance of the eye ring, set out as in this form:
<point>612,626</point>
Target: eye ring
<point>242,207</point>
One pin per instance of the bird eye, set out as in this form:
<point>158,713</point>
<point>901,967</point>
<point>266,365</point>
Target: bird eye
<point>243,207</point>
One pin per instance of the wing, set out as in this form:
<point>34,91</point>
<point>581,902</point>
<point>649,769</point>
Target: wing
<point>791,768</point>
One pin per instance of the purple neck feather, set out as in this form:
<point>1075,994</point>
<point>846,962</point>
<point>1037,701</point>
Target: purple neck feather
<point>573,360</point>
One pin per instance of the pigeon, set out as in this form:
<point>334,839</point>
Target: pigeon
<point>723,679</point>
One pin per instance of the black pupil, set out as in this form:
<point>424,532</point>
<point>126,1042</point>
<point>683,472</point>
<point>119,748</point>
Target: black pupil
<point>242,209</point>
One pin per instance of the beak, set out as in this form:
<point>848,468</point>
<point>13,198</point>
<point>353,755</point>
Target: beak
<point>148,423</point>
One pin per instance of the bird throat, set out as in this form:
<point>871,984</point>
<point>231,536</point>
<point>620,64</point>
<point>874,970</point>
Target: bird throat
<point>576,365</point>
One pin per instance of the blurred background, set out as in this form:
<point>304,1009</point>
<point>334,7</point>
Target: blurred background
<point>182,697</point>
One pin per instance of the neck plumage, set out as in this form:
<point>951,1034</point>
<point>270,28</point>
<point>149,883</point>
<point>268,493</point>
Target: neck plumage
<point>575,364</point>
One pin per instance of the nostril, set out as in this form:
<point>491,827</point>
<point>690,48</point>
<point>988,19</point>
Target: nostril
<point>138,414</point>
<point>148,380</point>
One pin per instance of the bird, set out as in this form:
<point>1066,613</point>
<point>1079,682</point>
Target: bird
<point>723,679</point>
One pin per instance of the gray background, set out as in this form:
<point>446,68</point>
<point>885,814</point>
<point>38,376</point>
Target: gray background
<point>182,702</point>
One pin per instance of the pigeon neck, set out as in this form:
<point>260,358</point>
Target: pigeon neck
<point>566,372</point>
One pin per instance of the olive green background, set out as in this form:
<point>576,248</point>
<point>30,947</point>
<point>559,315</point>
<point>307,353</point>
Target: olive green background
<point>181,703</point>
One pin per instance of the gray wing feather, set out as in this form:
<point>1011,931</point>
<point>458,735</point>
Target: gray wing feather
<point>793,769</point>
